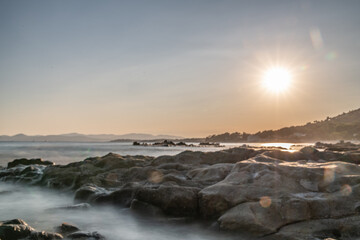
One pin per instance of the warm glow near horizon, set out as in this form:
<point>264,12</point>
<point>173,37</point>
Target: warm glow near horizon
<point>277,79</point>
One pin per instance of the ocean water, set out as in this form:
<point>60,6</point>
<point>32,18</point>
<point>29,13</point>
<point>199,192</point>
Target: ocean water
<point>66,152</point>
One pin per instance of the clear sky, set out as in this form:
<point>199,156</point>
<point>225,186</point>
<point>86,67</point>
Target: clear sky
<point>188,68</point>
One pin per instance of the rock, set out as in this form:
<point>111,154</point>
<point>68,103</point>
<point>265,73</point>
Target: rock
<point>88,193</point>
<point>265,216</point>
<point>25,161</point>
<point>14,221</point>
<point>122,197</point>
<point>18,229</point>
<point>341,146</point>
<point>173,200</point>
<point>261,194</point>
<point>308,151</point>
<point>85,236</point>
<point>165,143</point>
<point>181,144</point>
<point>101,171</point>
<point>213,173</point>
<point>15,229</point>
<point>346,228</point>
<point>44,236</point>
<point>66,228</point>
<point>309,185</point>
<point>287,156</point>
<point>146,209</point>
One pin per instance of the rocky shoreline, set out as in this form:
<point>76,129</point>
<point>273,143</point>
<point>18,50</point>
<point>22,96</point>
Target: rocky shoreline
<point>168,143</point>
<point>271,194</point>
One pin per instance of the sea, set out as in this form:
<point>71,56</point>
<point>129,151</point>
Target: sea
<point>37,206</point>
<point>67,152</point>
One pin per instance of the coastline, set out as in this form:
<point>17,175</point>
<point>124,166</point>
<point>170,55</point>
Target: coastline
<point>220,187</point>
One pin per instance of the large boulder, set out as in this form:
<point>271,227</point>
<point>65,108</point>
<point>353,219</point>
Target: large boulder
<point>212,174</point>
<point>346,228</point>
<point>88,192</point>
<point>173,200</point>
<point>263,194</point>
<point>103,171</point>
<point>146,209</point>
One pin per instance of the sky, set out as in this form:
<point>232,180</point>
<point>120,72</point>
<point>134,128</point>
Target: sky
<point>187,68</point>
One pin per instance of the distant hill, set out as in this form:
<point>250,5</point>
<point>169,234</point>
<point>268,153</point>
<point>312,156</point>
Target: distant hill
<point>345,126</point>
<point>76,137</point>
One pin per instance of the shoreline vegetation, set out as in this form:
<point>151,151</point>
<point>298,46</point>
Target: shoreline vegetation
<point>312,193</point>
<point>344,126</point>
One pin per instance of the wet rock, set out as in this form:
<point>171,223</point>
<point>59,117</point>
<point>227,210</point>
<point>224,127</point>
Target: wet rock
<point>25,161</point>
<point>98,171</point>
<point>346,228</point>
<point>88,193</point>
<point>122,197</point>
<point>213,173</point>
<point>264,217</point>
<point>14,221</point>
<point>18,229</point>
<point>146,209</point>
<point>44,236</point>
<point>341,146</point>
<point>86,236</point>
<point>309,151</point>
<point>66,228</point>
<point>15,229</point>
<point>22,173</point>
<point>173,200</point>
<point>261,195</point>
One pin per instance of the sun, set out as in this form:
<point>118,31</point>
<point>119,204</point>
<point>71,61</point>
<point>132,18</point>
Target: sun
<point>277,79</point>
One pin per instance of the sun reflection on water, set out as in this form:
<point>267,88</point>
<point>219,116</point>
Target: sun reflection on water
<point>284,146</point>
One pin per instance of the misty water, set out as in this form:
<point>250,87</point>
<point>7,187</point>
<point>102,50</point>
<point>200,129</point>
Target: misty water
<point>36,207</point>
<point>34,204</point>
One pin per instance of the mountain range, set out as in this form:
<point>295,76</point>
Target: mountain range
<point>345,126</point>
<point>77,137</point>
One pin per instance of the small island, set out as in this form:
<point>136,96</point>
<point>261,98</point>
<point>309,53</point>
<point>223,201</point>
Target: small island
<point>168,143</point>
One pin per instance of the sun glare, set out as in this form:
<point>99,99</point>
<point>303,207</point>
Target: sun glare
<point>277,79</point>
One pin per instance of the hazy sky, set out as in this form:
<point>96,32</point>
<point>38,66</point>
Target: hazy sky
<point>189,68</point>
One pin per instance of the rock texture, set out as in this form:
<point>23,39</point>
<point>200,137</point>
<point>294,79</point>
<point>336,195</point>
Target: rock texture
<point>24,161</point>
<point>66,228</point>
<point>18,229</point>
<point>309,194</point>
